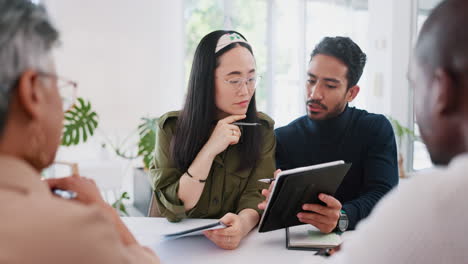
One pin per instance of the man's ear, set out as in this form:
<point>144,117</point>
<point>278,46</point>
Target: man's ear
<point>446,97</point>
<point>28,94</point>
<point>352,93</point>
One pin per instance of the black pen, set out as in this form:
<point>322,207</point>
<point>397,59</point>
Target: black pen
<point>246,124</point>
<point>267,180</point>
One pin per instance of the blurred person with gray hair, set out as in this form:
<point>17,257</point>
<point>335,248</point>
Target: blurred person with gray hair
<point>38,227</point>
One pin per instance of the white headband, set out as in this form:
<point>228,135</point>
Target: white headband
<point>228,39</point>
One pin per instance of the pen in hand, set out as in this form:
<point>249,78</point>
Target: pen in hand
<point>246,124</point>
<point>270,180</point>
<point>267,180</point>
<point>69,195</point>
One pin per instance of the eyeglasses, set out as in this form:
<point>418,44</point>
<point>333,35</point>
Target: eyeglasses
<point>67,90</point>
<point>237,83</point>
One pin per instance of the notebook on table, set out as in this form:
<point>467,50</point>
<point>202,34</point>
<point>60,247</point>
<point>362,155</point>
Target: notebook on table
<point>307,237</point>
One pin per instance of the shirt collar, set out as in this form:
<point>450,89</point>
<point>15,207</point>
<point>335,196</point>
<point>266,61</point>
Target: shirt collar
<point>19,175</point>
<point>459,160</point>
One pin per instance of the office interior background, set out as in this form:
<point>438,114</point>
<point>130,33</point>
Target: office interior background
<point>131,60</point>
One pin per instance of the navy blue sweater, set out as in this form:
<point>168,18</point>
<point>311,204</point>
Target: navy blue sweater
<point>356,136</point>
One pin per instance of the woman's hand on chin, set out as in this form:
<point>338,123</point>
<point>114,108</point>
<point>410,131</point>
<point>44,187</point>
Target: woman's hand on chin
<point>223,135</point>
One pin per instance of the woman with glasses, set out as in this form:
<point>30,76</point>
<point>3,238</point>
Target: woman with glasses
<point>210,155</point>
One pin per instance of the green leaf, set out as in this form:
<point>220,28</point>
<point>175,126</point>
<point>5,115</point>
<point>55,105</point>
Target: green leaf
<point>400,131</point>
<point>123,209</point>
<point>147,132</point>
<point>119,205</point>
<point>80,123</point>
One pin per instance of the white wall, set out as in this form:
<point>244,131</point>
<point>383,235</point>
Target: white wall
<point>127,56</point>
<point>390,44</point>
<point>391,32</point>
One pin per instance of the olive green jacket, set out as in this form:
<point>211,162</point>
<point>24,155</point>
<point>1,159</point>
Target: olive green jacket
<point>226,189</point>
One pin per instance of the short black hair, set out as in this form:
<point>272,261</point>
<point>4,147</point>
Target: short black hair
<point>347,51</point>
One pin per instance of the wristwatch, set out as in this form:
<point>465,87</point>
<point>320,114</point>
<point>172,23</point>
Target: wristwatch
<point>343,222</point>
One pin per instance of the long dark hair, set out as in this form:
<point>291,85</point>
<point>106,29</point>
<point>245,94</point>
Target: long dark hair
<point>195,122</point>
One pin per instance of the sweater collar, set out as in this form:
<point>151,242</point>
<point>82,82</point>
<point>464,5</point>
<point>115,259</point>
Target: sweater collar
<point>337,123</point>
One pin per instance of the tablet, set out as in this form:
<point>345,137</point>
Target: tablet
<point>194,231</point>
<point>299,186</point>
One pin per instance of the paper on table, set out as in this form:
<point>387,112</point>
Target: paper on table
<point>307,236</point>
<point>194,231</point>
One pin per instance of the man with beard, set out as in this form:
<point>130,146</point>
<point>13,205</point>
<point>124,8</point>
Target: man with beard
<point>332,131</point>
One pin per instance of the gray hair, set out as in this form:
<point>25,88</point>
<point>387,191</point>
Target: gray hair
<point>26,39</point>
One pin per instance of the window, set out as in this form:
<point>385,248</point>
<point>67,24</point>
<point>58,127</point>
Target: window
<point>245,16</point>
<point>349,18</point>
<point>282,34</point>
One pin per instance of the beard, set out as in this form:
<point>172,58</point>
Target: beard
<point>334,111</point>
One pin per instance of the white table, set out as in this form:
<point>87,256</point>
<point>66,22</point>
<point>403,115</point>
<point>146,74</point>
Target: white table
<point>263,248</point>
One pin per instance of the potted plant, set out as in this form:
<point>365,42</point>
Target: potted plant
<point>81,122</point>
<point>143,149</point>
<point>401,132</point>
